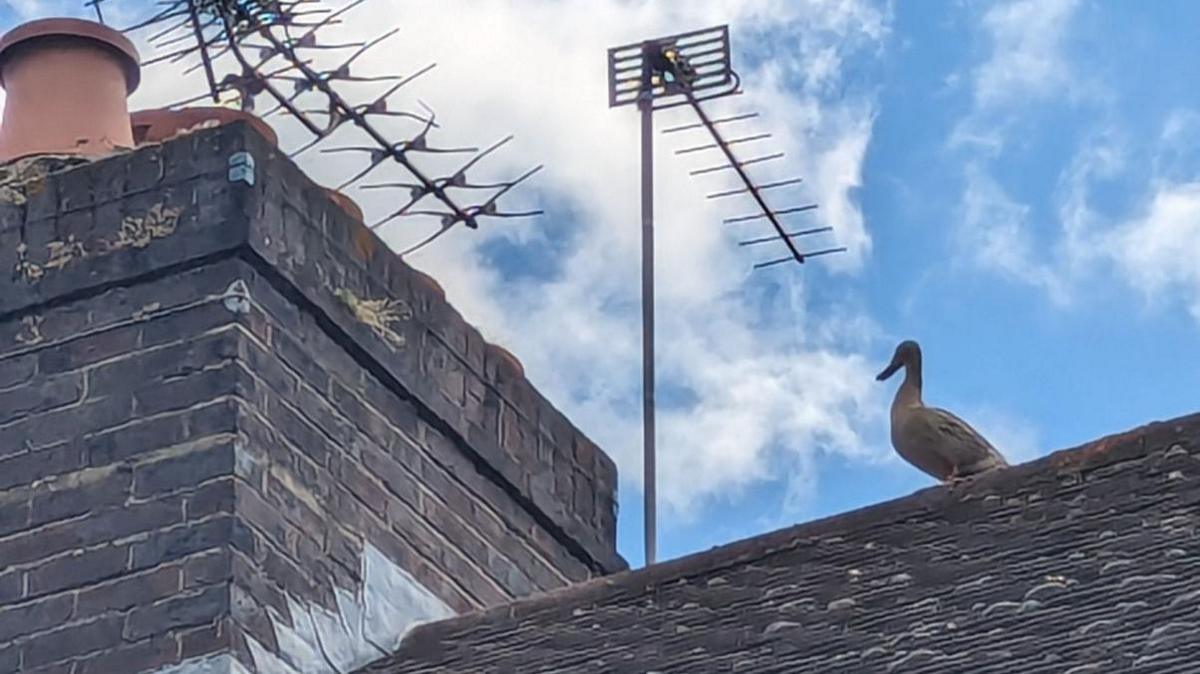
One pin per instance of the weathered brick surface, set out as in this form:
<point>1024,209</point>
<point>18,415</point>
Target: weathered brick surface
<point>112,513</point>
<point>179,462</point>
<point>443,363</point>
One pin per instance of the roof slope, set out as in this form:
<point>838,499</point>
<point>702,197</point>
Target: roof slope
<point>1084,561</point>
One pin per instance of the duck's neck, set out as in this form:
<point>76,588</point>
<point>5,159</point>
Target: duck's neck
<point>909,394</point>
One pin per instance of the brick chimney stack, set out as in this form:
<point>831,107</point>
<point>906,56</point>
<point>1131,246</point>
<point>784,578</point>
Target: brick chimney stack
<point>239,435</point>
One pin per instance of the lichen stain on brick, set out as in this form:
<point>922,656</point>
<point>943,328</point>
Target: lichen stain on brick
<point>62,252</point>
<point>146,311</point>
<point>135,232</point>
<point>31,331</point>
<point>140,231</point>
<point>26,269</point>
<point>377,314</point>
<point>21,180</point>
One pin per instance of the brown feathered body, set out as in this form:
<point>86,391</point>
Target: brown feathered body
<point>932,439</point>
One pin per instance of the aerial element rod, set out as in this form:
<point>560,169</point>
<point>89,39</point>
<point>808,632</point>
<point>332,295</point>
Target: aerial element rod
<point>699,125</point>
<point>729,167</point>
<point>760,216</point>
<point>817,253</point>
<point>790,235</point>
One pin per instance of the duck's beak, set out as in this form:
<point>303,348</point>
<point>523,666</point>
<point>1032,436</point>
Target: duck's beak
<point>889,370</point>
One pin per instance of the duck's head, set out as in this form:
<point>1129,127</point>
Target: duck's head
<point>908,353</point>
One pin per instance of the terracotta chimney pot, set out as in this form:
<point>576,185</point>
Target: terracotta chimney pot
<point>159,125</point>
<point>508,362</point>
<point>67,81</point>
<point>346,204</point>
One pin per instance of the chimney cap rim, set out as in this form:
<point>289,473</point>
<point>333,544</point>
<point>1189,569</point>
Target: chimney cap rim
<point>77,28</point>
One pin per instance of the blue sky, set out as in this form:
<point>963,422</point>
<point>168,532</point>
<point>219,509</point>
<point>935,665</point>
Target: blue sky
<point>1018,184</point>
<point>1055,366</point>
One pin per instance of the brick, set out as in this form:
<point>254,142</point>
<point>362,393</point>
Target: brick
<point>460,536</point>
<point>78,569</point>
<point>145,435</point>
<point>395,478</point>
<point>187,610</point>
<point>36,616</point>
<point>192,465</point>
<point>79,493</point>
<point>133,590</point>
<point>88,350</point>
<point>289,574</point>
<point>31,466</point>
<point>260,440</point>
<point>10,658</point>
<point>15,507</point>
<point>401,411</point>
<point>299,433</point>
<point>563,488</point>
<point>208,568</point>
<point>249,579</point>
<point>244,539</point>
<point>254,509</point>
<point>515,437</point>
<point>40,396</point>
<point>178,542</point>
<point>12,586</point>
<point>177,394</point>
<point>66,425</point>
<point>198,320</point>
<point>345,549</point>
<point>209,499</point>
<point>328,421</point>
<point>17,370</point>
<point>267,366</point>
<point>57,668</point>
<point>368,422</point>
<point>584,500</point>
<point>136,657</point>
<point>203,640</point>
<point>360,483</point>
<point>508,575</point>
<point>250,618</point>
<point>99,526</point>
<point>295,504</point>
<point>72,641</point>
<point>149,369</point>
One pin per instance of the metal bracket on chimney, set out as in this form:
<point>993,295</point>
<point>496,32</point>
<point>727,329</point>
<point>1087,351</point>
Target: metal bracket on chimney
<point>237,297</point>
<point>241,168</point>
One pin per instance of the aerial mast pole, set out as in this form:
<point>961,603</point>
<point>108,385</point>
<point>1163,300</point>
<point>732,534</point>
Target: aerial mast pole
<point>646,108</point>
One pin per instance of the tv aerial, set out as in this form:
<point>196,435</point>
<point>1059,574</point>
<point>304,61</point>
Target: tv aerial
<point>265,51</point>
<point>688,69</point>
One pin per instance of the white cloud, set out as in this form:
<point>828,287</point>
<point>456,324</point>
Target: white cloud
<point>1157,249</point>
<point>995,235</point>
<point>1145,244</point>
<point>1025,64</point>
<point>1026,59</point>
<point>762,389</point>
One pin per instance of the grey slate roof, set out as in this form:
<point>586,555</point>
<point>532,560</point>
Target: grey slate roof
<point>1085,561</point>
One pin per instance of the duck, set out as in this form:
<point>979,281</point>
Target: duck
<point>930,438</point>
